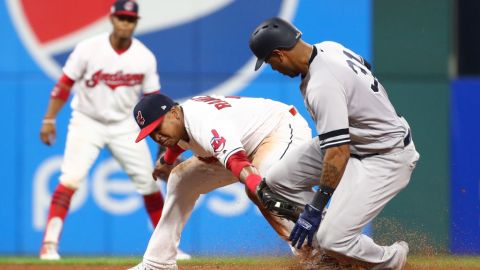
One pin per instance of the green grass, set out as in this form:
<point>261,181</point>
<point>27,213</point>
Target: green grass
<point>445,261</point>
<point>420,261</point>
<point>134,260</point>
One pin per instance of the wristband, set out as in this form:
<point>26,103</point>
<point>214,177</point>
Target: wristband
<point>162,161</point>
<point>322,197</point>
<point>48,121</point>
<point>252,181</point>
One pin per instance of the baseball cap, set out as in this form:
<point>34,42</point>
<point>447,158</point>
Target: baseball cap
<point>150,111</point>
<point>274,33</point>
<point>125,7</point>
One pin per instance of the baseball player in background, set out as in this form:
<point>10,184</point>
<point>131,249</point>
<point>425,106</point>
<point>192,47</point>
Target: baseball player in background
<point>233,139</point>
<point>363,156</point>
<point>110,73</point>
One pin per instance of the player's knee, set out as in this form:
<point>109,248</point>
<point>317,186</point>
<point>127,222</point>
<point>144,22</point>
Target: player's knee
<point>334,241</point>
<point>72,182</point>
<point>178,183</point>
<point>144,183</point>
<point>329,240</point>
<point>274,177</point>
<point>146,188</point>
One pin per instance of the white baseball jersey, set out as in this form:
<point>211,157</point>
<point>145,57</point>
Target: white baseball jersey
<point>218,127</point>
<point>358,110</point>
<point>109,84</point>
<point>221,126</point>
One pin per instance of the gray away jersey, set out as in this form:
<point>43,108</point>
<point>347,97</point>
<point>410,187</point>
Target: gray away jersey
<point>348,104</point>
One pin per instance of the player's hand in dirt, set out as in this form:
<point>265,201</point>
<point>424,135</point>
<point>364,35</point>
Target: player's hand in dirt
<point>48,132</point>
<point>306,226</point>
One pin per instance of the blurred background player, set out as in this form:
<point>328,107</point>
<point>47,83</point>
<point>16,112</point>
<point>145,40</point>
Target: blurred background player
<point>110,72</point>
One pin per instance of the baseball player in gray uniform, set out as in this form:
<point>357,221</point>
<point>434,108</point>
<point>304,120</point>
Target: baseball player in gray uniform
<point>362,157</point>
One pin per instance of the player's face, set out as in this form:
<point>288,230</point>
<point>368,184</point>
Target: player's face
<point>279,61</point>
<point>170,130</point>
<point>123,25</point>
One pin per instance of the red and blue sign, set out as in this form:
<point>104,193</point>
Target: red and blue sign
<point>201,48</point>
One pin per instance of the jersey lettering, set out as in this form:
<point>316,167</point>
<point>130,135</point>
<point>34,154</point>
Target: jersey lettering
<point>218,103</point>
<point>359,63</point>
<point>115,80</point>
<point>217,142</point>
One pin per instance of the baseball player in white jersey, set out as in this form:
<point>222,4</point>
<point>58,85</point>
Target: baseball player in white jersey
<point>110,73</point>
<point>362,157</point>
<point>232,138</point>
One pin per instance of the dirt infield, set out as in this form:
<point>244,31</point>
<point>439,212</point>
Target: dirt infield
<point>204,267</point>
<point>415,262</point>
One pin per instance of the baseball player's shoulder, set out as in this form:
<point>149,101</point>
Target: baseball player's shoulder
<point>197,111</point>
<point>142,48</point>
<point>266,102</point>
<point>329,45</point>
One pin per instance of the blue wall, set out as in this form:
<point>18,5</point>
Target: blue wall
<point>207,54</point>
<point>465,159</point>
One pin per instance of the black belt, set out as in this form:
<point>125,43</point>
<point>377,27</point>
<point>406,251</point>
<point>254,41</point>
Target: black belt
<point>406,141</point>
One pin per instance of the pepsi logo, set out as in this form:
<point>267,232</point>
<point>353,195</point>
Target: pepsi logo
<point>201,46</point>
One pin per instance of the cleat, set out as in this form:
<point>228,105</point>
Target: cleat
<point>404,249</point>
<point>49,252</point>
<point>142,266</point>
<point>182,255</point>
<point>139,266</point>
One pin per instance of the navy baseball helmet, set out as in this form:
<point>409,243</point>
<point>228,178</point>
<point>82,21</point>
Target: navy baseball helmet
<point>274,33</point>
<point>150,111</point>
<point>125,7</point>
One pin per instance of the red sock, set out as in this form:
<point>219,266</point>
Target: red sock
<point>58,209</point>
<point>154,205</point>
<point>60,202</point>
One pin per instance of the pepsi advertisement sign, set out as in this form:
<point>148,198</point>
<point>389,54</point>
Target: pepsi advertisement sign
<point>201,48</point>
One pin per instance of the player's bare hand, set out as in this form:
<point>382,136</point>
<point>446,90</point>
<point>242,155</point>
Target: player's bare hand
<point>162,171</point>
<point>48,133</point>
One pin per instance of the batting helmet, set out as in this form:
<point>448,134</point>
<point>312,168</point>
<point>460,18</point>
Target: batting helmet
<point>274,33</point>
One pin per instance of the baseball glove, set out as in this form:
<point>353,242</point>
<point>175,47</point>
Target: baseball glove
<point>276,204</point>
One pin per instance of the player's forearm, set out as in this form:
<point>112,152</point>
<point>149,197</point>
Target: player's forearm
<point>334,164</point>
<point>54,106</point>
<point>250,177</point>
<point>171,154</point>
<point>243,169</point>
<point>246,172</point>
<point>59,96</point>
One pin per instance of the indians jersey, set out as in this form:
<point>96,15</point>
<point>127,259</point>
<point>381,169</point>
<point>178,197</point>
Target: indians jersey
<point>220,126</point>
<point>348,104</point>
<point>108,84</point>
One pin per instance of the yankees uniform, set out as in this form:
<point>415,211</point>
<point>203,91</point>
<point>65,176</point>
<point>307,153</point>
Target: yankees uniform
<point>349,106</point>
<point>108,83</point>
<point>219,128</point>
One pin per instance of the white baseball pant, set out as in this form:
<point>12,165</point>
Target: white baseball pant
<point>86,137</point>
<point>194,177</point>
<point>365,188</point>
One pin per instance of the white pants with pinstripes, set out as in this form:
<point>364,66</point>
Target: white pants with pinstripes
<point>365,188</point>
